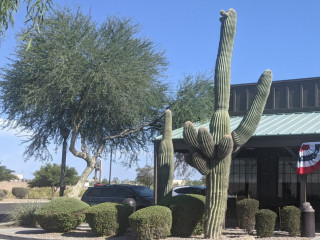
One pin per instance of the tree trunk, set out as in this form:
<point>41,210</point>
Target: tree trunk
<point>84,176</point>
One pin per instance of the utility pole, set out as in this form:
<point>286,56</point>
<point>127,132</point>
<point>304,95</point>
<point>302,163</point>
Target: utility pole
<point>100,171</point>
<point>65,134</point>
<point>97,168</point>
<point>110,166</point>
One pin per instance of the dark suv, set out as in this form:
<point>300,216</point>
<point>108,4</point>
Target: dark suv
<point>136,196</point>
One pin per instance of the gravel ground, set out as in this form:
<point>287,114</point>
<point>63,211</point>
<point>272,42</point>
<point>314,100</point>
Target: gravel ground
<point>84,233</point>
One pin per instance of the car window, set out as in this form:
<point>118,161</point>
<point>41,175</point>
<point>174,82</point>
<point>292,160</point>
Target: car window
<point>94,192</point>
<point>109,192</point>
<point>143,191</point>
<point>120,192</point>
<point>188,190</point>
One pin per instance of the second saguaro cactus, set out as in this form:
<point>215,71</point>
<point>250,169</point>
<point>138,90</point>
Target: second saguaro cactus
<point>166,158</point>
<point>210,150</point>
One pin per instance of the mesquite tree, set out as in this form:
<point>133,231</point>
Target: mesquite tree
<point>166,158</point>
<point>36,11</point>
<point>100,82</point>
<point>210,151</point>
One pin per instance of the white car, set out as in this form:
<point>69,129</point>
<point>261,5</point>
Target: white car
<point>176,191</point>
<point>189,190</point>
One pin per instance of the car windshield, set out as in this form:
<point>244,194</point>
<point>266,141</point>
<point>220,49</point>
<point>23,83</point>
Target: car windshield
<point>143,191</point>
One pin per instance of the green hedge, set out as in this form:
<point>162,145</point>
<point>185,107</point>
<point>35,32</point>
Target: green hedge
<point>151,223</point>
<point>20,192</point>
<point>290,216</point>
<point>106,219</point>
<point>187,214</point>
<point>265,222</point>
<point>61,214</point>
<point>246,210</point>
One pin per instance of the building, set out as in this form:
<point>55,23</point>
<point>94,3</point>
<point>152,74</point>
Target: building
<point>265,167</point>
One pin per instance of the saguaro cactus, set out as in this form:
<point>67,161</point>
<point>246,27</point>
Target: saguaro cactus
<point>166,158</point>
<point>210,152</point>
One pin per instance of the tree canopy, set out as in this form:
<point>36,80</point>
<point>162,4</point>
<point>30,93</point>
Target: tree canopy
<point>49,176</point>
<point>100,82</point>
<point>145,175</point>
<point>6,174</point>
<point>194,100</point>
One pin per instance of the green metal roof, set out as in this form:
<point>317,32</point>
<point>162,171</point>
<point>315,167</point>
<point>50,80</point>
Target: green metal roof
<point>280,124</point>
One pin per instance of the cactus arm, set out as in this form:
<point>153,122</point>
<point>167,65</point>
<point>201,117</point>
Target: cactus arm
<point>167,131</point>
<point>190,135</point>
<point>166,158</point>
<point>225,147</point>
<point>200,163</point>
<point>188,159</point>
<point>223,64</point>
<point>251,120</point>
<point>206,143</point>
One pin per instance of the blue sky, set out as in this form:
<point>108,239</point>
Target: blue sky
<point>279,35</point>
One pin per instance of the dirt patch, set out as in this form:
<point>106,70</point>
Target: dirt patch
<point>9,185</point>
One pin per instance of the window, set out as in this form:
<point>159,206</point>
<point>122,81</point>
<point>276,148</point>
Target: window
<point>309,94</point>
<point>243,177</point>
<point>287,178</point>
<point>289,181</point>
<point>280,96</point>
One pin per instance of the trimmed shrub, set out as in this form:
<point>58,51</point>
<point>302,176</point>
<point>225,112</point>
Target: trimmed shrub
<point>106,219</point>
<point>265,222</point>
<point>20,192</point>
<point>246,210</point>
<point>61,214</point>
<point>3,193</point>
<point>187,214</point>
<point>151,223</point>
<point>24,214</point>
<point>290,216</point>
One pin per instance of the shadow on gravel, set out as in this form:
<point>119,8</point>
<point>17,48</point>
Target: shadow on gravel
<point>4,217</point>
<point>5,237</point>
<point>80,232</point>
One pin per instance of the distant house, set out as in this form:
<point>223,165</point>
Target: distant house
<point>19,177</point>
<point>265,166</point>
<point>177,182</point>
<point>89,182</point>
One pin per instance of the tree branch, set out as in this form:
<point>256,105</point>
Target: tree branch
<point>72,148</point>
<point>100,149</point>
<point>126,132</point>
<point>83,143</point>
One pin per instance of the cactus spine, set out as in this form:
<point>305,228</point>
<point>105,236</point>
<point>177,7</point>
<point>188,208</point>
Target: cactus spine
<point>166,158</point>
<point>210,152</point>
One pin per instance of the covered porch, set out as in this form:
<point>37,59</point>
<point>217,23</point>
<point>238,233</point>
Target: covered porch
<point>265,168</point>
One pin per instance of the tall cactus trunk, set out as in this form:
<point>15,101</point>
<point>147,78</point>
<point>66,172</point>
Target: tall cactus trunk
<point>216,198</point>
<point>218,177</point>
<point>210,151</point>
<point>166,159</point>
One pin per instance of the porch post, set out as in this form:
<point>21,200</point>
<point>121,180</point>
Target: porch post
<point>155,168</point>
<point>303,188</point>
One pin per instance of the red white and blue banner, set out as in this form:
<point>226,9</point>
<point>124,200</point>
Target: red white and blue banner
<point>309,158</point>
